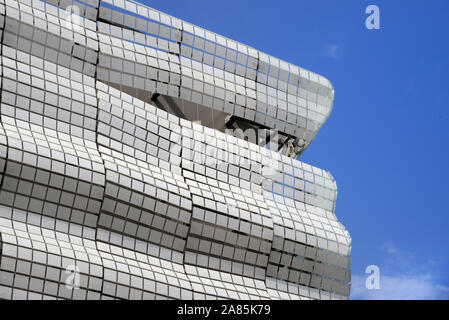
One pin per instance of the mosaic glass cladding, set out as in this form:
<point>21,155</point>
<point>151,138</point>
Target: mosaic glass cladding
<point>118,179</point>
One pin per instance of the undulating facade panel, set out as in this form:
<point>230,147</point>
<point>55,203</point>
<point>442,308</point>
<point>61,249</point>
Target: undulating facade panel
<point>53,181</point>
<point>142,157</point>
<point>147,206</point>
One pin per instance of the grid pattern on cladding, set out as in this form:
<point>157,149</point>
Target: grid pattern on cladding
<point>85,8</point>
<point>237,53</point>
<point>217,89</point>
<point>213,284</point>
<point>53,165</point>
<point>65,99</point>
<point>238,92</point>
<point>3,150</point>
<point>249,237</point>
<point>214,243</point>
<point>293,94</point>
<point>44,32</point>
<point>171,66</point>
<point>195,42</point>
<point>310,247</point>
<point>137,66</point>
<point>287,98</point>
<point>3,139</point>
<point>143,67</point>
<point>39,263</point>
<point>221,156</point>
<point>146,196</point>
<point>283,290</point>
<point>231,228</point>
<point>236,95</point>
<point>149,31</point>
<point>299,181</point>
<point>133,275</point>
<point>2,17</point>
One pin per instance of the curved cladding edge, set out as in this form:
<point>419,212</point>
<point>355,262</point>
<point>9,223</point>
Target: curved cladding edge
<point>258,87</point>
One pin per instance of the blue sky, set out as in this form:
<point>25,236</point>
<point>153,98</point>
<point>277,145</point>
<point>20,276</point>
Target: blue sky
<point>387,139</point>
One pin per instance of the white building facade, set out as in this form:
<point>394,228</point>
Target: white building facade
<point>142,157</point>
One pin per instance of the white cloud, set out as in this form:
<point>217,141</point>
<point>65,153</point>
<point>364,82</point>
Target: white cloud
<point>390,248</point>
<point>333,51</point>
<point>397,259</point>
<point>418,287</point>
<point>403,276</point>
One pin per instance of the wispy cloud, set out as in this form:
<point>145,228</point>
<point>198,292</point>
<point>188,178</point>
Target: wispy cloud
<point>398,259</point>
<point>402,277</point>
<point>399,288</point>
<point>333,51</point>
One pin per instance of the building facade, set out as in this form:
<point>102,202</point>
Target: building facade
<point>142,157</point>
